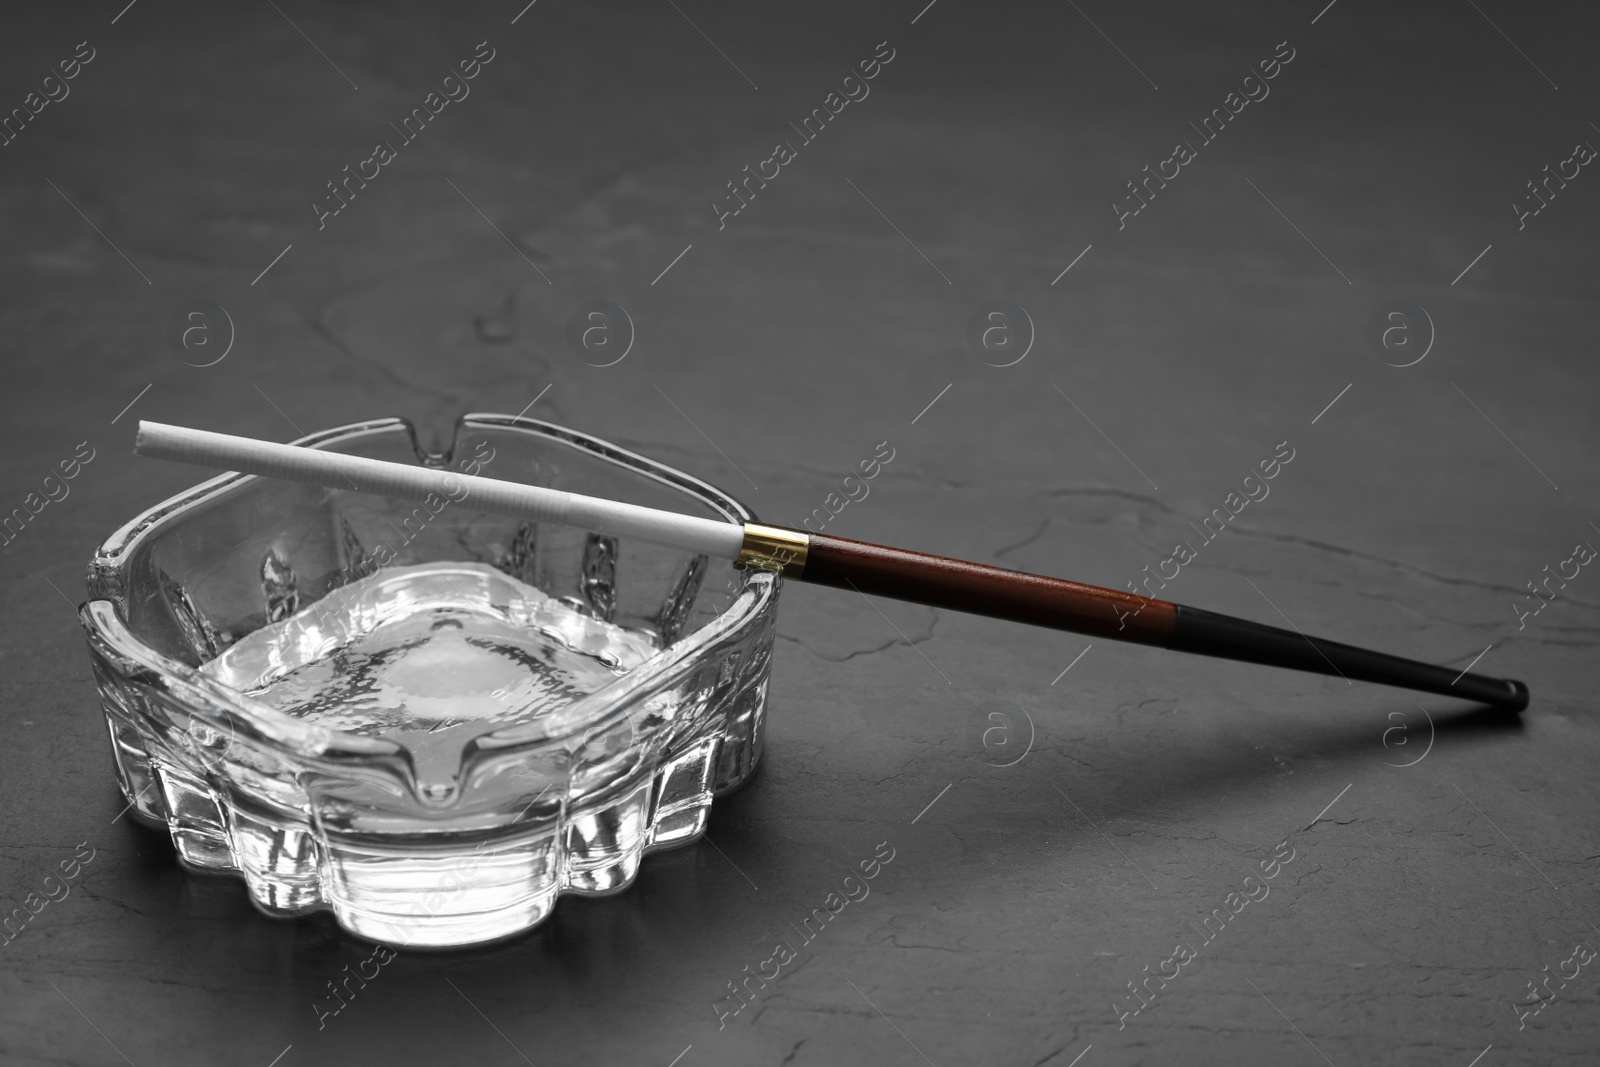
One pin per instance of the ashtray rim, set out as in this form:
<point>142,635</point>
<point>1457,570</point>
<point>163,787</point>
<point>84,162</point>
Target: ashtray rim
<point>103,615</point>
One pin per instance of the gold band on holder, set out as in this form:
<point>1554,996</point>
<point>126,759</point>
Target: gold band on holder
<point>773,548</point>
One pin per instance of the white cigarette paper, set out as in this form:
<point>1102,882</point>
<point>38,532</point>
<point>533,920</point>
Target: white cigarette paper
<point>491,495</point>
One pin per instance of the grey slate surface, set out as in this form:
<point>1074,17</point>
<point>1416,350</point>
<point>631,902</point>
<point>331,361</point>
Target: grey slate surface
<point>1210,328</point>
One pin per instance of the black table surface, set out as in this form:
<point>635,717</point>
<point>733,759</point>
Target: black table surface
<point>1440,883</point>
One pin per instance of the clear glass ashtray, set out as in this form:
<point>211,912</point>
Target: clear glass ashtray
<point>429,721</point>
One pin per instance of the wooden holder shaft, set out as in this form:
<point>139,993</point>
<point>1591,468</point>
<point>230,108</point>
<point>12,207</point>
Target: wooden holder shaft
<point>983,590</point>
<point>1087,609</point>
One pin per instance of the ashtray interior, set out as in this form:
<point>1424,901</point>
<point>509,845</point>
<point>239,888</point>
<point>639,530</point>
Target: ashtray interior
<point>430,721</point>
<point>431,655</point>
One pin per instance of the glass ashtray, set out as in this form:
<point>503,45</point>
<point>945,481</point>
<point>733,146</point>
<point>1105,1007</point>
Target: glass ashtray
<point>429,721</point>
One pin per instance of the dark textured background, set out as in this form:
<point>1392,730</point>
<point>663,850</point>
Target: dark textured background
<point>1197,338</point>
